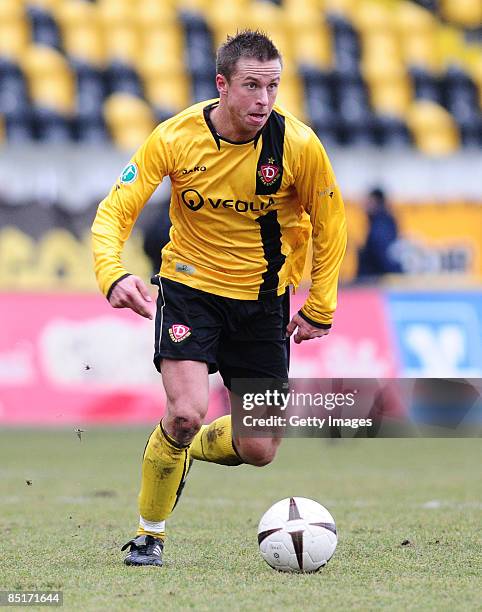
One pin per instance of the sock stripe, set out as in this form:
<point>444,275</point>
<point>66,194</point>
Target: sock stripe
<point>153,526</point>
<point>171,440</point>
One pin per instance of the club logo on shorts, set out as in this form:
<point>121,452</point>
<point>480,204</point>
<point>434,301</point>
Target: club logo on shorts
<point>179,332</point>
<point>269,172</point>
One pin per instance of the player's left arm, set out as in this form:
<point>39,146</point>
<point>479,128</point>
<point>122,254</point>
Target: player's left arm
<point>320,195</point>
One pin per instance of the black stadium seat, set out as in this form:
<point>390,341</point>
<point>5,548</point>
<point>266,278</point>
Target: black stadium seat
<point>44,28</point>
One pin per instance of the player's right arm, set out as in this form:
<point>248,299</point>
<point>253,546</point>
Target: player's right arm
<point>115,218</point>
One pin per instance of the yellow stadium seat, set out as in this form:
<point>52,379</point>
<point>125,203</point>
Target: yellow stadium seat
<point>410,18</point>
<point>85,43</point>
<point>381,68</point>
<point>313,46</point>
<point>81,33</point>
<point>371,17</point>
<point>50,80</point>
<point>11,10</point>
<point>341,7</point>
<point>381,44</point>
<point>196,6</point>
<point>433,128</point>
<point>130,120</point>
<point>121,43</point>
<point>391,96</point>
<point>48,5</point>
<point>14,38</point>
<point>465,13</point>
<point>303,17</point>
<point>421,49</point>
<point>154,14</point>
<point>76,13</point>
<point>170,93</point>
<point>159,66</point>
<point>291,95</point>
<point>162,42</point>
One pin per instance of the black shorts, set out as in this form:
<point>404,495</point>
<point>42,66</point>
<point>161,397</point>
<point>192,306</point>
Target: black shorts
<point>240,338</point>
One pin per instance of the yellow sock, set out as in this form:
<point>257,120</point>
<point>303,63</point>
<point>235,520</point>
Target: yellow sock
<point>214,443</point>
<point>163,470</point>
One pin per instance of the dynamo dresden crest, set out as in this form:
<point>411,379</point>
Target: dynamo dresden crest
<point>179,332</point>
<point>269,172</point>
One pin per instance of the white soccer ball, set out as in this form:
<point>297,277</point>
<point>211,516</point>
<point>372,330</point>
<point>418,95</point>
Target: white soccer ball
<point>297,535</point>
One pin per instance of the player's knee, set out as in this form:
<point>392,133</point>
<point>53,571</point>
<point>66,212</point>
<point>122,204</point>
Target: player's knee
<point>184,422</point>
<point>186,425</point>
<point>258,454</point>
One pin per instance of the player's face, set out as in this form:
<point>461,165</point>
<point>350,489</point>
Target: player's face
<point>251,93</point>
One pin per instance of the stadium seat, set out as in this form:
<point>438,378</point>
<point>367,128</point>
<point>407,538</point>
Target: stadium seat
<point>461,99</point>
<point>203,88</point>
<point>421,50</point>
<point>391,131</point>
<point>199,47</point>
<point>433,128</point>
<point>122,43</point>
<point>346,46</point>
<point>129,120</point>
<point>154,14</point>
<point>168,95</point>
<point>50,79</point>
<point>91,91</point>
<point>465,13</point>
<point>162,53</point>
<point>426,85</point>
<point>410,18</point>
<point>291,95</point>
<point>44,28</point>
<point>340,7</point>
<point>313,46</point>
<point>115,13</point>
<point>84,44</point>
<point>14,35</point>
<point>81,31</point>
<point>373,17</point>
<point>51,126</point>
<point>14,103</point>
<point>391,96</point>
<point>121,77</point>
<point>14,97</point>
<point>47,5</point>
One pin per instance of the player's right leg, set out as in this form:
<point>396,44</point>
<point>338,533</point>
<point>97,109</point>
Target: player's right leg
<point>166,457</point>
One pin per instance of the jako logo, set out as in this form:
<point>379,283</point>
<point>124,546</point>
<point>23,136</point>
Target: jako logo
<point>194,201</point>
<point>195,169</point>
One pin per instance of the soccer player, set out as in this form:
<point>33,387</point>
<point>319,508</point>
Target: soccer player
<point>249,183</point>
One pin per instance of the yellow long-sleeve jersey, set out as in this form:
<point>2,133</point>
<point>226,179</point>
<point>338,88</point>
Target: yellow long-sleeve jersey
<point>241,212</point>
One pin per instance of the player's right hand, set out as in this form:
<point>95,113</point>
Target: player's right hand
<point>131,292</point>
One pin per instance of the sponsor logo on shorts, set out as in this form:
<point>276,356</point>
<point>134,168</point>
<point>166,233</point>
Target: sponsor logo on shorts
<point>129,174</point>
<point>179,332</point>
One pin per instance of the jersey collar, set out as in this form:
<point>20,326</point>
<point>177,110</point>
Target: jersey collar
<point>217,138</point>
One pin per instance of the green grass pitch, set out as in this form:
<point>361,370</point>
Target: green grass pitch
<point>64,530</point>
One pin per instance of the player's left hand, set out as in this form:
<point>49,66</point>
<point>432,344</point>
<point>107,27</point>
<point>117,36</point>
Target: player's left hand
<point>305,330</point>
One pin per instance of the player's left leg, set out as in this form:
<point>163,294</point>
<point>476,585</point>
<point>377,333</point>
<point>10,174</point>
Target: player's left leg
<point>255,347</point>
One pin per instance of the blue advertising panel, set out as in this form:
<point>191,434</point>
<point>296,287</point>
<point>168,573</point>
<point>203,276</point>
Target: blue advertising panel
<point>437,334</point>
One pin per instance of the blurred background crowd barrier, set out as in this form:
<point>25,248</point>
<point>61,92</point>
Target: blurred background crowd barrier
<point>393,88</point>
